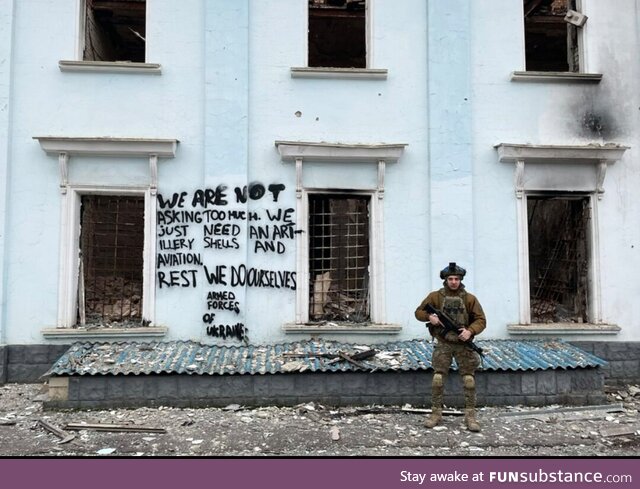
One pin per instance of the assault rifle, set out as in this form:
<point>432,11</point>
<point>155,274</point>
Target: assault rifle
<point>449,325</point>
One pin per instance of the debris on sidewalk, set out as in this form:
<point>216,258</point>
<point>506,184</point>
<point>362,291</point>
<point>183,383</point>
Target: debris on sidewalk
<point>113,427</point>
<point>63,435</point>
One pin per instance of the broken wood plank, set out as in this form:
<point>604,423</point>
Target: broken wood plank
<point>608,408</point>
<point>363,355</point>
<point>620,430</point>
<point>63,435</point>
<point>347,358</point>
<point>450,412</point>
<point>114,427</point>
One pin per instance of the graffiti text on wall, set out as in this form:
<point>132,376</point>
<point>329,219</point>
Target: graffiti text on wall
<point>200,235</point>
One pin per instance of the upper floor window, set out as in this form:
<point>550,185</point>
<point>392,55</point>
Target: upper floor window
<point>114,30</point>
<point>552,41</point>
<point>337,33</point>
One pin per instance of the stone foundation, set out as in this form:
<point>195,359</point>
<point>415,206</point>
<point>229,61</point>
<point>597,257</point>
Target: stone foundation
<point>623,360</point>
<point>534,388</point>
<point>27,363</point>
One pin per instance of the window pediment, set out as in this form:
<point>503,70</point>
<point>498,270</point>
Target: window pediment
<point>559,167</point>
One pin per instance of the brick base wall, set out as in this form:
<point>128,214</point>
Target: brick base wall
<point>581,386</point>
<point>27,363</point>
<point>623,360</point>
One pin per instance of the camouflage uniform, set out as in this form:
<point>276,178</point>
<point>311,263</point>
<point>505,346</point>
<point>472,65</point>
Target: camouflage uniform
<point>465,309</point>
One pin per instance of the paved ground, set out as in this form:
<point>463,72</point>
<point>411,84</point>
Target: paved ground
<point>315,430</point>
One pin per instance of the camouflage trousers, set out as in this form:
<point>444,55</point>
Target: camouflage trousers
<point>468,361</point>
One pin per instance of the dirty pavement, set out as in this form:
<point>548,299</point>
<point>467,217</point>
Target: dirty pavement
<point>313,430</point>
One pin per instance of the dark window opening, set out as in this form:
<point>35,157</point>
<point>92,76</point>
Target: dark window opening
<point>551,43</point>
<point>115,30</point>
<point>559,258</point>
<point>337,33</point>
<point>111,260</point>
<point>339,258</point>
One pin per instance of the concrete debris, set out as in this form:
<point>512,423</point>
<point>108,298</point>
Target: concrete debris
<point>106,451</point>
<point>620,430</point>
<point>312,429</point>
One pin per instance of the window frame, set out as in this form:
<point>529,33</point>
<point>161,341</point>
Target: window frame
<point>376,155</point>
<point>578,170</point>
<point>593,275</point>
<point>580,76</point>
<point>376,263</point>
<point>70,246</point>
<point>152,149</point>
<point>366,73</point>
<point>367,40</point>
<point>79,65</point>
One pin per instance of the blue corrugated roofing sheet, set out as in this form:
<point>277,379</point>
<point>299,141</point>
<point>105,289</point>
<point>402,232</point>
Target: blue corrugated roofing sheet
<point>183,357</point>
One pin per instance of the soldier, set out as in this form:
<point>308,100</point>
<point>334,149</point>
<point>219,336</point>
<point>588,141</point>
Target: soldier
<point>466,311</point>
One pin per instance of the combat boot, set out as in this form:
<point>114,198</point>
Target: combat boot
<point>434,419</point>
<point>470,420</point>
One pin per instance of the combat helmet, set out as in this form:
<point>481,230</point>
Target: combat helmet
<point>452,269</point>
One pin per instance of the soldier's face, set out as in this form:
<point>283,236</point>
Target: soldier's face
<point>453,282</point>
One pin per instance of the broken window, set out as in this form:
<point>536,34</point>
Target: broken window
<point>111,260</point>
<point>337,33</point>
<point>551,41</point>
<point>115,30</point>
<point>339,258</point>
<point>559,258</point>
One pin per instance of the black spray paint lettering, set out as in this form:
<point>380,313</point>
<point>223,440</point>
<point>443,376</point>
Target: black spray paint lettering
<point>222,301</point>
<point>255,191</point>
<point>221,229</point>
<point>221,244</point>
<point>284,215</point>
<point>218,276</point>
<point>178,278</point>
<point>210,197</point>
<point>176,244</point>
<point>256,277</point>
<point>172,217</point>
<point>173,231</point>
<point>176,200</point>
<point>238,331</point>
<point>178,259</point>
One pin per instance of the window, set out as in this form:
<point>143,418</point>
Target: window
<point>340,236</point>
<point>559,250</point>
<point>557,190</point>
<point>110,282</point>
<point>339,258</point>
<point>337,33</point>
<point>551,35</point>
<point>114,30</point>
<point>107,237</point>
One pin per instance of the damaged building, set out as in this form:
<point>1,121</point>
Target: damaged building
<point>253,197</point>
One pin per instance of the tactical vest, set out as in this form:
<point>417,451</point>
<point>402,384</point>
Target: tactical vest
<point>454,307</point>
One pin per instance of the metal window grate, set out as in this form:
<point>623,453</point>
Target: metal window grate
<point>559,258</point>
<point>339,258</point>
<point>111,259</point>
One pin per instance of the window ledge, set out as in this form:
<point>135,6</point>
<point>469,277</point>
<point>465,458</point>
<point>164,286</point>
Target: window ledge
<point>563,328</point>
<point>84,334</point>
<point>367,328</point>
<point>110,67</point>
<point>340,73</point>
<point>555,76</point>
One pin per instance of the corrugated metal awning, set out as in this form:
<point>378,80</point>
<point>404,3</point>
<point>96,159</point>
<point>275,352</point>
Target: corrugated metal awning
<point>184,357</point>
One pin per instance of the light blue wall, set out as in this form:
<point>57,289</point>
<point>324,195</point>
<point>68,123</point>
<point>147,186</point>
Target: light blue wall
<point>6,59</point>
<point>227,94</point>
<point>554,113</point>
